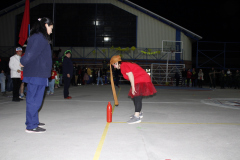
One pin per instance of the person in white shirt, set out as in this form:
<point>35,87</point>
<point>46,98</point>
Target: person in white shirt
<point>14,65</point>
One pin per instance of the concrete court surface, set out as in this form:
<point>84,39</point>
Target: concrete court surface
<point>179,124</point>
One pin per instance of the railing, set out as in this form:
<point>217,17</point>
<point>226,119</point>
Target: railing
<point>82,53</point>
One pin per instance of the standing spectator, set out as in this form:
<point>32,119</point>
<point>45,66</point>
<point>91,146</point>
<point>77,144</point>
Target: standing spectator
<point>89,72</point>
<point>200,78</point>
<point>93,76</point>
<point>237,80</point>
<point>222,79</point>
<point>194,77</point>
<point>57,80</point>
<point>184,76</point>
<point>9,87</point>
<point>60,74</point>
<point>14,65</point>
<point>212,75</point>
<point>85,77</point>
<point>37,63</point>
<point>67,73</point>
<point>229,78</point>
<point>2,77</point>
<point>22,86</point>
<point>99,76</point>
<point>177,77</point>
<point>51,82</point>
<point>82,75</point>
<point>79,72</point>
<point>189,75</point>
<point>73,80</point>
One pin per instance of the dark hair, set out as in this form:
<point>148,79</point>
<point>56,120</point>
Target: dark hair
<point>39,27</point>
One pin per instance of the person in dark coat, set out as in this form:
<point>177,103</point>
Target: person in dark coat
<point>37,63</point>
<point>177,77</point>
<point>67,67</point>
<point>222,79</point>
<point>184,76</point>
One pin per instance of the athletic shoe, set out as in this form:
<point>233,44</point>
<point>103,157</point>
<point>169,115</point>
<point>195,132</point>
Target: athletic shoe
<point>41,124</point>
<point>36,130</point>
<point>140,115</point>
<point>69,97</point>
<point>134,120</point>
<point>21,97</point>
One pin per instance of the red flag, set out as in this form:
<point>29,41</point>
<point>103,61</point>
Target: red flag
<point>23,34</point>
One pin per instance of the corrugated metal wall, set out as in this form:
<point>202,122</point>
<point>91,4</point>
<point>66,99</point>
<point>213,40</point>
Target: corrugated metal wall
<point>187,47</point>
<point>150,32</point>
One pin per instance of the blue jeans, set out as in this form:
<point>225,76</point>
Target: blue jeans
<point>2,81</point>
<point>34,101</point>
<point>9,83</point>
<point>99,78</point>
<point>51,86</point>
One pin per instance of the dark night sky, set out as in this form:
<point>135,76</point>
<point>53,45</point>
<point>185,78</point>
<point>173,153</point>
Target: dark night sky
<point>213,20</point>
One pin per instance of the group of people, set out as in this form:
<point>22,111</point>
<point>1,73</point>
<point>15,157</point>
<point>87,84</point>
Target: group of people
<point>190,77</point>
<point>225,78</point>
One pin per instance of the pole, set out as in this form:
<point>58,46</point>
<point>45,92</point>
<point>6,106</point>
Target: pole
<point>167,67</point>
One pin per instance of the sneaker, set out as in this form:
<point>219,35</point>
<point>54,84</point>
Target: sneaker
<point>134,120</point>
<point>69,97</point>
<point>21,97</point>
<point>36,130</point>
<point>41,124</point>
<point>140,115</point>
<point>51,93</point>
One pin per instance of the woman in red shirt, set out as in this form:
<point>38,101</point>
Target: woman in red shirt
<point>141,84</point>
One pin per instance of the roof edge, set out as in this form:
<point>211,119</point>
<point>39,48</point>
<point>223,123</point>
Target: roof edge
<point>162,19</point>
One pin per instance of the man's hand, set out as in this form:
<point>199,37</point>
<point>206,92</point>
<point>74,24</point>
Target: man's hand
<point>18,71</point>
<point>21,65</point>
<point>68,75</point>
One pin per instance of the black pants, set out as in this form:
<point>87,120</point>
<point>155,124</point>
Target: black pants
<point>177,82</point>
<point>16,86</point>
<point>213,82</point>
<point>138,103</point>
<point>66,86</point>
<point>188,81</point>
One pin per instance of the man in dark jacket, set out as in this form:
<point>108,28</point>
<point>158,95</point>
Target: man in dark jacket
<point>67,68</point>
<point>184,76</point>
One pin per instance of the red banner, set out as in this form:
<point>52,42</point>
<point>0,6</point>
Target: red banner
<point>23,34</point>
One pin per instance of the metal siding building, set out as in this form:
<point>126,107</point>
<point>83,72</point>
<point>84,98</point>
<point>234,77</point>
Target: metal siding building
<point>151,28</point>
